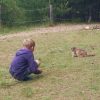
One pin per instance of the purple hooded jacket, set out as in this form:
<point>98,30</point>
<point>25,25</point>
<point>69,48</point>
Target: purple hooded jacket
<point>23,63</point>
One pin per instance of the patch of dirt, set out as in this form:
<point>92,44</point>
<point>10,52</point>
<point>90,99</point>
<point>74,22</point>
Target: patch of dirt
<point>54,29</point>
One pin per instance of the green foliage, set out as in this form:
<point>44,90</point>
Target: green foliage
<point>28,11</point>
<point>10,12</point>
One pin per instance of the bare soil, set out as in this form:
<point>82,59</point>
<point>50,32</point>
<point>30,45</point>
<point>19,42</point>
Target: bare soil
<point>54,29</point>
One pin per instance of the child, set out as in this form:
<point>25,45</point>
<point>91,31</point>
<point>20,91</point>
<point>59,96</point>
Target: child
<point>23,63</point>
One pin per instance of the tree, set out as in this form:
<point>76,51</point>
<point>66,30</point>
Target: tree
<point>87,9</point>
<point>10,13</point>
<point>19,11</point>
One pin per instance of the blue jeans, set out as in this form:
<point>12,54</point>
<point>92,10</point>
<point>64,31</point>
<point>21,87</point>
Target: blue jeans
<point>23,76</point>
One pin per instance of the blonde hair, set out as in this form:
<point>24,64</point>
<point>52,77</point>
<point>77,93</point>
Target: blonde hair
<point>28,42</point>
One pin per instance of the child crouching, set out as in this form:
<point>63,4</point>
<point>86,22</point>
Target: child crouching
<point>24,63</point>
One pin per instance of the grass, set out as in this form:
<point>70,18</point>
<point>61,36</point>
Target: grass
<point>63,77</point>
<point>4,30</point>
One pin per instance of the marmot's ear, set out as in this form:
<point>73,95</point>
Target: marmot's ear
<point>73,48</point>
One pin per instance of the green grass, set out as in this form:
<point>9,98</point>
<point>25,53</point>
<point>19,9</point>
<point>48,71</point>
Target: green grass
<point>4,30</point>
<point>63,77</point>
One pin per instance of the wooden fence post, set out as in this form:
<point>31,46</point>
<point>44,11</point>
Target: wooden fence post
<point>51,13</point>
<point>0,16</point>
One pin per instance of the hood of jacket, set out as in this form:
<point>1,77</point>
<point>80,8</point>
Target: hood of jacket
<point>22,51</point>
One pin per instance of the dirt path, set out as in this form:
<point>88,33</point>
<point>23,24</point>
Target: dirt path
<point>54,29</point>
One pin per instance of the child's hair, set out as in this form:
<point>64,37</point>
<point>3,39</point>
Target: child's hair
<point>28,42</point>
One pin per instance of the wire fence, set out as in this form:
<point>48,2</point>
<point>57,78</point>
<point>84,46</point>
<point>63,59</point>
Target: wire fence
<point>31,16</point>
<point>39,15</point>
<point>34,16</point>
<point>39,9</point>
<point>25,16</point>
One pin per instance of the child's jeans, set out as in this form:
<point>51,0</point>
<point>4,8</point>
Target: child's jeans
<point>24,76</point>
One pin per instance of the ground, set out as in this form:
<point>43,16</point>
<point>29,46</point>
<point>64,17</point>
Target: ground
<point>53,29</point>
<point>63,77</point>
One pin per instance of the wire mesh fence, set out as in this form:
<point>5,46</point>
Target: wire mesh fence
<point>49,13</point>
<point>24,16</point>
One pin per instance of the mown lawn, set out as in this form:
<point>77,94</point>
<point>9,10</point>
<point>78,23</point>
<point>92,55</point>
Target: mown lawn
<point>63,77</point>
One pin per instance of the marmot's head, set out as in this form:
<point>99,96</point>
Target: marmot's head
<point>73,48</point>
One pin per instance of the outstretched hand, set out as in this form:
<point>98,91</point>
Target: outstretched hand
<point>38,62</point>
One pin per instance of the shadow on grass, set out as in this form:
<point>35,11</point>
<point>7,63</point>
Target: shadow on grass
<point>7,83</point>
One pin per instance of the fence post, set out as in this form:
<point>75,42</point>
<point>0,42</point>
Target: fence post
<point>51,13</point>
<point>0,16</point>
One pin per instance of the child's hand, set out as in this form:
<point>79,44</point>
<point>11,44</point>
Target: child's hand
<point>38,72</point>
<point>38,62</point>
